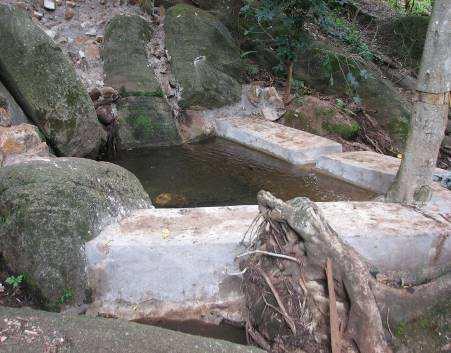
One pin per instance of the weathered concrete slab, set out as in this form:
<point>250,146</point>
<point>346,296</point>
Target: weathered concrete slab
<point>292,145</point>
<point>390,236</point>
<point>31,331</point>
<point>172,263</point>
<point>179,263</point>
<point>376,172</point>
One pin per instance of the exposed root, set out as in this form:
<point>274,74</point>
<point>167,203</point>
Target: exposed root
<point>285,286</point>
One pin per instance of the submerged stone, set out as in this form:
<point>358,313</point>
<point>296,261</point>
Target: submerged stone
<point>49,207</point>
<point>39,75</point>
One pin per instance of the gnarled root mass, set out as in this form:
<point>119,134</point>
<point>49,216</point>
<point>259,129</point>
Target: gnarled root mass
<point>286,290</point>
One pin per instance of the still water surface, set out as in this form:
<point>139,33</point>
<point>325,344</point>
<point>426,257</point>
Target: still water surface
<point>218,172</point>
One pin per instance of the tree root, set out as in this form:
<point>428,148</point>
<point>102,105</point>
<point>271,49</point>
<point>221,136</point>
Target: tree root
<point>293,313</point>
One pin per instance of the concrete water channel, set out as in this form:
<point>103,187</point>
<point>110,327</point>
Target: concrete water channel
<point>169,265</point>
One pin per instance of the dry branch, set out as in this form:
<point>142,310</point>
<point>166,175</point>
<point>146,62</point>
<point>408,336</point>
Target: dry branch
<point>334,325</point>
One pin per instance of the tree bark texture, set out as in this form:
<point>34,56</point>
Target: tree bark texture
<point>412,185</point>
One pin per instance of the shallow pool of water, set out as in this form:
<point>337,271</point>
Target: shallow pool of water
<point>218,172</point>
<point>222,331</point>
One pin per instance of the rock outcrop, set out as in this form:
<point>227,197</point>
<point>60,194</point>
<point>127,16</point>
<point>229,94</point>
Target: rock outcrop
<point>45,85</point>
<point>40,330</point>
<point>144,116</point>
<point>344,75</point>
<point>227,11</point>
<point>49,207</point>
<point>205,59</point>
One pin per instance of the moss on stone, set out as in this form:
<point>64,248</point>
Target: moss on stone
<point>347,131</point>
<point>399,127</point>
<point>377,94</point>
<point>145,117</point>
<point>53,207</point>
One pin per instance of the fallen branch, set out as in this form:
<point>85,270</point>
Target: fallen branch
<point>334,326</point>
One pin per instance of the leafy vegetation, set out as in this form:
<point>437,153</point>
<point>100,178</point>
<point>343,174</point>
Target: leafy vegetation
<point>15,281</point>
<point>418,7</point>
<point>280,24</point>
<point>66,297</point>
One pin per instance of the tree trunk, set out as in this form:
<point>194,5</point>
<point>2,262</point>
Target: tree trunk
<point>429,115</point>
<point>289,82</point>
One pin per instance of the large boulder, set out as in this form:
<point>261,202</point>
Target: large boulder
<point>205,59</point>
<point>42,80</point>
<point>144,116</point>
<point>334,72</point>
<point>227,11</point>
<point>30,331</point>
<point>49,207</point>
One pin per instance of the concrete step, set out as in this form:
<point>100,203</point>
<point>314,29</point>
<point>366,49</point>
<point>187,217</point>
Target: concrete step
<point>180,263</point>
<point>292,145</point>
<point>376,172</point>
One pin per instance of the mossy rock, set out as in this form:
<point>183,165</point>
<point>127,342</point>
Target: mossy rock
<point>50,207</point>
<point>145,118</point>
<point>320,117</point>
<point>44,83</point>
<point>226,11</point>
<point>378,95</point>
<point>205,59</point>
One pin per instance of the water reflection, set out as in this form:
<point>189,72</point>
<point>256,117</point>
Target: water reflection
<point>218,172</point>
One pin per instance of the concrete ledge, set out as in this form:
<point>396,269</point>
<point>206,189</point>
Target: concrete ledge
<point>180,263</point>
<point>390,236</point>
<point>172,263</point>
<point>292,145</point>
<point>376,172</point>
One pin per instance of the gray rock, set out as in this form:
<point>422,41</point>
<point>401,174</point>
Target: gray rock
<point>80,334</point>
<point>144,116</point>
<point>45,85</point>
<point>205,59</point>
<point>49,207</point>
<point>227,11</point>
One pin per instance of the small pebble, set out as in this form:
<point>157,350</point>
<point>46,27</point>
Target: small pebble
<point>69,13</point>
<point>38,15</point>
